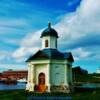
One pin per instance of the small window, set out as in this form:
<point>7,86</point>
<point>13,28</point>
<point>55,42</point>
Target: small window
<point>46,43</point>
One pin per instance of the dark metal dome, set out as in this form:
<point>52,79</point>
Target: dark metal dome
<point>49,32</point>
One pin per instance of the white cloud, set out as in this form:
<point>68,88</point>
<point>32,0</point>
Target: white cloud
<point>32,39</point>
<point>11,41</point>
<point>21,54</point>
<point>72,28</point>
<point>29,45</point>
<point>4,55</point>
<point>84,21</point>
<point>79,53</point>
<point>12,22</point>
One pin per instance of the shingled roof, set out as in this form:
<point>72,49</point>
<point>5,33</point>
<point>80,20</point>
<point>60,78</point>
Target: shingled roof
<point>51,54</point>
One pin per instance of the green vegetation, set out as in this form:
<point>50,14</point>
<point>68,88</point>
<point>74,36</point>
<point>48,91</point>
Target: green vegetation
<point>94,95</point>
<point>91,78</point>
<point>13,95</point>
<point>22,95</point>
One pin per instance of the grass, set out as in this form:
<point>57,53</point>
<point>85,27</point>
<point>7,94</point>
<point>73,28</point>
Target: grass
<point>23,95</point>
<point>95,95</point>
<point>13,95</point>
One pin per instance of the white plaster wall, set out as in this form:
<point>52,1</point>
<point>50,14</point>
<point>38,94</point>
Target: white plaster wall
<point>57,74</point>
<point>51,42</point>
<point>43,41</point>
<point>43,68</point>
<point>37,62</point>
<point>60,73</point>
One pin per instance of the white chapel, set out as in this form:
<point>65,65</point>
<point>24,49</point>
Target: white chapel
<point>50,70</point>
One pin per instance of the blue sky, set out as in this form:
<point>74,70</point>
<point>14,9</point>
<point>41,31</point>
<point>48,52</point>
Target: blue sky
<point>22,21</point>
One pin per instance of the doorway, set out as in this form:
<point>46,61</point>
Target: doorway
<point>41,83</point>
<point>41,79</point>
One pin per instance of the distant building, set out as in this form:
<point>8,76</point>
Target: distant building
<point>79,70</point>
<point>19,74</point>
<point>50,70</point>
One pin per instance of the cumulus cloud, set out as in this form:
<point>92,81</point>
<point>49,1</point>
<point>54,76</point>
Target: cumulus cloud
<point>79,53</point>
<point>21,53</point>
<point>4,55</point>
<point>29,45</point>
<point>78,31</point>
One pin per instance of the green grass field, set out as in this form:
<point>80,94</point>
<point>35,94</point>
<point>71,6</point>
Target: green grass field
<point>23,95</point>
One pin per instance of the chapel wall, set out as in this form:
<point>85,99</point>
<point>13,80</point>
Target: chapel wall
<point>57,74</point>
<point>41,68</point>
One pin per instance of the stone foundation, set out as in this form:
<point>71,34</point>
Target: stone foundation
<point>53,88</point>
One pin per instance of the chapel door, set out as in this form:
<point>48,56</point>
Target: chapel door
<point>41,81</point>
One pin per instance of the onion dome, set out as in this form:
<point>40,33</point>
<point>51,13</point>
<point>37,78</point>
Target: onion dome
<point>49,32</point>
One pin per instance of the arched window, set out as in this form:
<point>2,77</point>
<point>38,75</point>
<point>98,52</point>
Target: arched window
<point>46,43</point>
